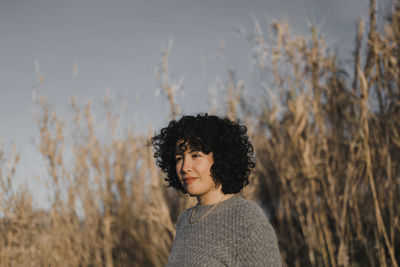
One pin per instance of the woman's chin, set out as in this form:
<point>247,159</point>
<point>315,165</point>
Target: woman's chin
<point>191,191</point>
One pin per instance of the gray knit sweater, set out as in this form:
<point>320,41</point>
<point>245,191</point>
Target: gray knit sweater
<point>235,233</point>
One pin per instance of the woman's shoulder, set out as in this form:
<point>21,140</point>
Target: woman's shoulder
<point>251,216</point>
<point>249,209</point>
<point>259,237</point>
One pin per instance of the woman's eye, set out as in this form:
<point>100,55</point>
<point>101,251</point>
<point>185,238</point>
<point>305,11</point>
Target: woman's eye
<point>177,159</point>
<point>195,155</point>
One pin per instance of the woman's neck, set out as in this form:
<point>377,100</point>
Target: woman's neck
<point>212,198</point>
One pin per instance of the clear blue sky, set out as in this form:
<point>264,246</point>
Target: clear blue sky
<point>116,45</point>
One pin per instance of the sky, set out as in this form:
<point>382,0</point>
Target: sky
<point>116,45</point>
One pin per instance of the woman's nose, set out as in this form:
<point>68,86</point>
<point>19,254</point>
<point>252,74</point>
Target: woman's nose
<point>186,166</point>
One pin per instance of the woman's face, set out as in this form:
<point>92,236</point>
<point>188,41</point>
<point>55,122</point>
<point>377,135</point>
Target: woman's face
<point>193,169</point>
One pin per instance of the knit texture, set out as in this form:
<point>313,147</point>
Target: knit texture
<point>235,233</point>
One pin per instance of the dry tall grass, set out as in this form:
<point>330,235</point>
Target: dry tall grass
<point>328,172</point>
<point>328,149</point>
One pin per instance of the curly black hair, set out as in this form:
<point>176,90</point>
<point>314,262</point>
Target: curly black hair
<point>227,140</point>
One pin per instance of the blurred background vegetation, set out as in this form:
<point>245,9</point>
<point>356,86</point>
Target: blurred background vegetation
<point>327,143</point>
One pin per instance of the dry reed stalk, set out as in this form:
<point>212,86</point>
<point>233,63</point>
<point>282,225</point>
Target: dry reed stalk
<point>119,222</point>
<point>321,144</point>
<point>166,86</point>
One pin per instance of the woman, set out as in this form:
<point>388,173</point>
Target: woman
<point>211,158</point>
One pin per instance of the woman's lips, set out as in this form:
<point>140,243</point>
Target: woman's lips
<point>189,180</point>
